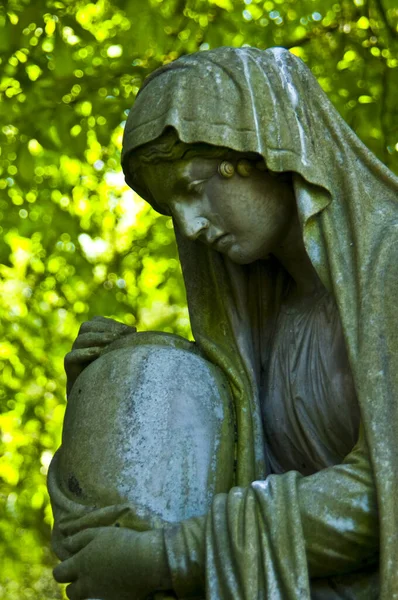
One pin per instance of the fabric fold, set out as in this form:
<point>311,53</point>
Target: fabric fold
<point>289,537</point>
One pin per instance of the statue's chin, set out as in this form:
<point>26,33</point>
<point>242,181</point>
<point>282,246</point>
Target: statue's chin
<point>148,425</point>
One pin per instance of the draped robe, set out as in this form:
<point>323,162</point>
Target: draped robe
<point>277,535</point>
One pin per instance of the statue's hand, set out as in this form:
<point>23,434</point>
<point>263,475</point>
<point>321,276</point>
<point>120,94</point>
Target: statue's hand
<point>114,563</point>
<point>93,336</point>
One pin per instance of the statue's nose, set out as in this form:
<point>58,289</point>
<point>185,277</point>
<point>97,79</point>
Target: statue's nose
<point>189,222</point>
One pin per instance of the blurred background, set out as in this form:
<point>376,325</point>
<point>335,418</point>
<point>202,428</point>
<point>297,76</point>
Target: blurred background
<point>75,241</point>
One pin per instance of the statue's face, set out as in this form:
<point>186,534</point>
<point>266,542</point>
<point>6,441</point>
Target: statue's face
<point>245,218</point>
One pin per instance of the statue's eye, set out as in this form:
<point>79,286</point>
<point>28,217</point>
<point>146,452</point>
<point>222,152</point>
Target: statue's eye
<point>197,186</point>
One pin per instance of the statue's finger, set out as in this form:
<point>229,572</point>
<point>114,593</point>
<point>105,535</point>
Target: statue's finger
<point>106,516</point>
<point>80,540</point>
<point>96,324</point>
<point>107,321</point>
<point>81,355</point>
<point>76,361</point>
<point>75,591</point>
<point>66,571</point>
<point>100,338</point>
<point>121,328</point>
<point>104,324</point>
<point>128,329</point>
<point>89,326</point>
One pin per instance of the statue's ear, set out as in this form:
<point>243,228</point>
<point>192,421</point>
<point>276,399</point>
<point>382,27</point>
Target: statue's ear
<point>244,167</point>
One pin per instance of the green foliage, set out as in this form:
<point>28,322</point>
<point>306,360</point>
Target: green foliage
<point>75,242</point>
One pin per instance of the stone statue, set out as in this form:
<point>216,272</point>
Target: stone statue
<point>287,228</point>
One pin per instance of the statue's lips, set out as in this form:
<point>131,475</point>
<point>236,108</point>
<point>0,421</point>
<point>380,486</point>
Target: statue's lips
<point>223,242</point>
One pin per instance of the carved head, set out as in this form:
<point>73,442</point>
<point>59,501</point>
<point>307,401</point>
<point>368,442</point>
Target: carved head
<point>222,198</point>
<point>233,109</point>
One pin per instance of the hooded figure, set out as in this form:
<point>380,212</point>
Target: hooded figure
<point>282,534</point>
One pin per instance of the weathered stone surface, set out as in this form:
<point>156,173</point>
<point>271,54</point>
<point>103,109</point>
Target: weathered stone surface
<point>147,425</point>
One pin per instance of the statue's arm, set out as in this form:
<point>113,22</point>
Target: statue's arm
<point>338,508</point>
<point>324,524</point>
